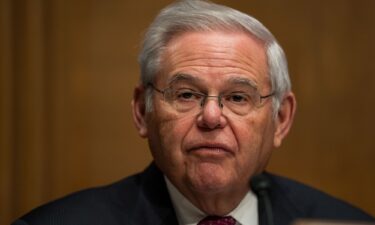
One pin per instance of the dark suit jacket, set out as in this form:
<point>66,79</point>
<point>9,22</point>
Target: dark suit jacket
<point>143,199</point>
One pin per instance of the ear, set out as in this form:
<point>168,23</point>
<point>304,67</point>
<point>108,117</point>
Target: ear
<point>139,110</point>
<point>284,118</point>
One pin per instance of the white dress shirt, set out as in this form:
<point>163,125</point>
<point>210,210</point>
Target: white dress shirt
<point>246,213</point>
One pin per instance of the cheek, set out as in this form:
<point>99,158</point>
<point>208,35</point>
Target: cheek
<point>253,139</point>
<point>173,130</point>
<point>246,132</point>
<point>167,132</point>
<point>248,140</point>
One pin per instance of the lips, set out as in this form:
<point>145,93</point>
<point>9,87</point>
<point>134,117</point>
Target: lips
<point>210,148</point>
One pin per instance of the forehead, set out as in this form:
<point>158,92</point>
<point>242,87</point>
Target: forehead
<point>214,56</point>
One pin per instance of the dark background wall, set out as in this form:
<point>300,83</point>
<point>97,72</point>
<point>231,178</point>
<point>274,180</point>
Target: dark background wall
<point>68,68</point>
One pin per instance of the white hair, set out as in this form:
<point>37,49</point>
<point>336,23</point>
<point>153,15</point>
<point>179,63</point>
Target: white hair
<point>199,15</point>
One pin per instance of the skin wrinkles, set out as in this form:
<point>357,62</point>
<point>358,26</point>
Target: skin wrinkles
<point>229,67</point>
<point>207,181</point>
<point>211,155</point>
<point>194,81</point>
<point>225,57</point>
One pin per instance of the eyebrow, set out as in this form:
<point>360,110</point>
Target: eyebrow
<point>182,77</point>
<point>191,78</point>
<point>243,81</point>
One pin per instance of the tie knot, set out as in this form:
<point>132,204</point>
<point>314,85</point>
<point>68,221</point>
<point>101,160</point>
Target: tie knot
<point>218,220</point>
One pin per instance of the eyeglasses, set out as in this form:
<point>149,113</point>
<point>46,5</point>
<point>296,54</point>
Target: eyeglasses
<point>241,101</point>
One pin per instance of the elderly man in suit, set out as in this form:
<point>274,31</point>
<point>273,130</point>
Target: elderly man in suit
<point>214,100</point>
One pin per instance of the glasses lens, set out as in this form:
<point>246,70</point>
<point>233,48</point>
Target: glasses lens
<point>183,99</point>
<point>239,101</point>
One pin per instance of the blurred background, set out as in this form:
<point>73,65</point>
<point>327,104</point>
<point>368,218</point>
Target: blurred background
<point>68,68</point>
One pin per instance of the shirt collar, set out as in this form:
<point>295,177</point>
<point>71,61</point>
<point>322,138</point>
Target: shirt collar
<point>246,213</point>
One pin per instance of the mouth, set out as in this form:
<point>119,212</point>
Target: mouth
<point>210,149</point>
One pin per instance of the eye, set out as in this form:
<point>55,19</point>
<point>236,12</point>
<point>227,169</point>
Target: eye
<point>187,95</point>
<point>237,98</point>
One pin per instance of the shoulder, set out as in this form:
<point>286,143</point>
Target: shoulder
<point>138,199</point>
<point>307,202</point>
<point>90,206</point>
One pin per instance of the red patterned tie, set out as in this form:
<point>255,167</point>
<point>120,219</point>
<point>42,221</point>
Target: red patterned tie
<point>217,220</point>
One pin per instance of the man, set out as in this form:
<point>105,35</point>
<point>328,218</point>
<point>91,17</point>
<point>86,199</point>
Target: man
<point>214,100</point>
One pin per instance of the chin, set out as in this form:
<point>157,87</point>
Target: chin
<point>209,178</point>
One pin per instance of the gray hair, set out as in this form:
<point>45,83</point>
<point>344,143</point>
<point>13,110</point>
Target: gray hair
<point>199,15</point>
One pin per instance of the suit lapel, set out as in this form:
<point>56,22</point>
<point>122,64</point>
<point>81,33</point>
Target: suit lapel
<point>154,205</point>
<point>283,210</point>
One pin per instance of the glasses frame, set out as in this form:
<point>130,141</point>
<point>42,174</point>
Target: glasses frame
<point>205,96</point>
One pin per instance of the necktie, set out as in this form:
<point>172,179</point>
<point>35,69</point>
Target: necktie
<point>218,220</point>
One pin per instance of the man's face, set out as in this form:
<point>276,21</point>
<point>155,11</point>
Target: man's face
<point>211,150</point>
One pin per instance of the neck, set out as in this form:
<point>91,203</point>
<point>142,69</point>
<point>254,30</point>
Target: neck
<point>219,204</point>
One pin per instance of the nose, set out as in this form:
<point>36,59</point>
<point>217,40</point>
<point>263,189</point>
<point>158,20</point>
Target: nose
<point>211,116</point>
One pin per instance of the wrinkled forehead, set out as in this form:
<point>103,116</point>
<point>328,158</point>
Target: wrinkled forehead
<point>215,53</point>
